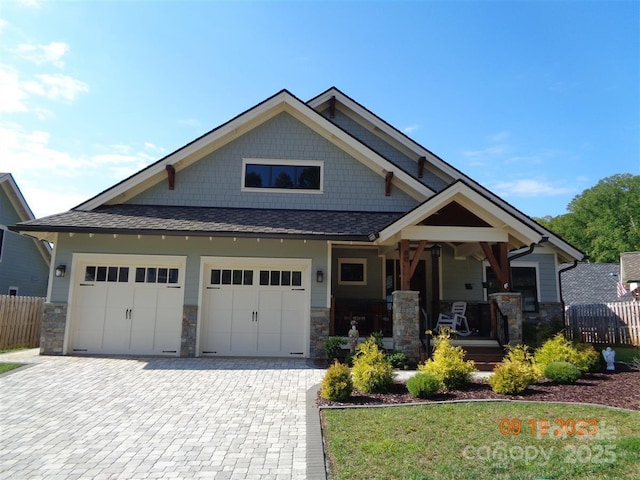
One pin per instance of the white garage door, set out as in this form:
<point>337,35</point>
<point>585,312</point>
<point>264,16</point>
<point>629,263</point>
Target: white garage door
<point>127,307</point>
<point>255,310</point>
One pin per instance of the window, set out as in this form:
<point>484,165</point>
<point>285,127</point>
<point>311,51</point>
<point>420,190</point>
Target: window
<point>13,291</point>
<point>106,274</point>
<point>282,175</point>
<point>523,281</point>
<point>352,271</point>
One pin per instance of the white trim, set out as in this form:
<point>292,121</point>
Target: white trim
<point>454,234</point>
<point>272,161</point>
<point>355,261</point>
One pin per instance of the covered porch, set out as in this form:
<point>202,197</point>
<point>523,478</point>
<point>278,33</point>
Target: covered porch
<point>415,268</point>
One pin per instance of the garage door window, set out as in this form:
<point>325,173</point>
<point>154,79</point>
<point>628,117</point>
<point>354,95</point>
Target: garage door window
<point>106,274</point>
<point>231,277</point>
<point>281,277</point>
<point>156,275</point>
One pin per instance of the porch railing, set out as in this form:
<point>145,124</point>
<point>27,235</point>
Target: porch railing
<point>501,322</point>
<point>371,315</point>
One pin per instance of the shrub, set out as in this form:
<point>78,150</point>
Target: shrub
<point>333,346</point>
<point>516,372</point>
<point>562,372</point>
<point>423,385</point>
<point>371,370</point>
<point>337,384</point>
<point>448,364</point>
<point>397,359</point>
<point>559,349</point>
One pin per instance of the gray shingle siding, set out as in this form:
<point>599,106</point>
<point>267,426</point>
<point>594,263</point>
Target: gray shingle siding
<point>216,179</point>
<point>386,150</point>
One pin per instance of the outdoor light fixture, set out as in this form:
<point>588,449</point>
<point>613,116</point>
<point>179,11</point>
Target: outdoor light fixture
<point>435,251</point>
<point>468,286</point>
<point>60,270</point>
<point>319,276</point>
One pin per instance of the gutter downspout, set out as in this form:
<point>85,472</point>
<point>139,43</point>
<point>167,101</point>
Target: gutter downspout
<point>564,310</point>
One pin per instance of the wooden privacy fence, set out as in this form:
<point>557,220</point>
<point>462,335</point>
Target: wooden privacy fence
<point>20,320</point>
<point>606,323</point>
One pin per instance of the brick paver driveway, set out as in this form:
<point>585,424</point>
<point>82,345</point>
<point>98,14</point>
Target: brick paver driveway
<point>124,418</point>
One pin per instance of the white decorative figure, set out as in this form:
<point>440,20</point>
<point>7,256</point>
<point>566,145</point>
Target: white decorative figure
<point>353,336</point>
<point>610,357</point>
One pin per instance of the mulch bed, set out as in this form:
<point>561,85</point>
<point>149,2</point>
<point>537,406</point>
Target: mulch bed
<point>620,389</point>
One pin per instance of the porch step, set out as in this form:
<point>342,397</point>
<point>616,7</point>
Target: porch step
<point>485,358</point>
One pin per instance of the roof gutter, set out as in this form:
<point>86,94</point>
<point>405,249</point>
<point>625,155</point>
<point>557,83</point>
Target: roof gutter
<point>560,272</point>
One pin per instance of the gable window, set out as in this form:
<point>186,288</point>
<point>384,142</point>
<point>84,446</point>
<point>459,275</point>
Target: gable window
<point>282,175</point>
<point>523,281</point>
<point>13,291</point>
<point>352,271</point>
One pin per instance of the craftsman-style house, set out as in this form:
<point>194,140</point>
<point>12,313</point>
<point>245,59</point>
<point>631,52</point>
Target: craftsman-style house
<point>275,230</point>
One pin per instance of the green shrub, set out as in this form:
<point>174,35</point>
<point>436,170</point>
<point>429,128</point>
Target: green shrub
<point>337,384</point>
<point>378,338</point>
<point>562,372</point>
<point>333,347</point>
<point>516,372</point>
<point>371,371</point>
<point>448,364</point>
<point>559,349</point>
<point>423,385</point>
<point>535,334</point>
<point>397,359</point>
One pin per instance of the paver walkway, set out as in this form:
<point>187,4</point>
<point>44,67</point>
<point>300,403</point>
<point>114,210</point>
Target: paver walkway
<point>123,418</point>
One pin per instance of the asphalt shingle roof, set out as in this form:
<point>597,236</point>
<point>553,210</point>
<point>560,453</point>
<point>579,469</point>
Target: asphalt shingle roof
<point>591,283</point>
<point>153,219</point>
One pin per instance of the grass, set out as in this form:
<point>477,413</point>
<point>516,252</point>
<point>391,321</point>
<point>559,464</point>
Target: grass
<point>463,441</point>
<point>626,354</point>
<point>5,367</point>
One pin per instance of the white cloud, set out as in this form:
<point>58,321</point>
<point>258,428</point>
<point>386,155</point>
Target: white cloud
<point>529,188</point>
<point>12,94</point>
<point>411,128</point>
<point>56,87</point>
<point>3,23</point>
<point>486,152</point>
<point>500,136</point>
<point>43,54</point>
<point>190,122</point>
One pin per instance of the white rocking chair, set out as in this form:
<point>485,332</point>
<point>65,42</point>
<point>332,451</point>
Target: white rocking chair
<point>455,320</point>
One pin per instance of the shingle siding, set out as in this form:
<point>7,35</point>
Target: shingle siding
<point>216,179</point>
<point>21,264</point>
<point>386,150</point>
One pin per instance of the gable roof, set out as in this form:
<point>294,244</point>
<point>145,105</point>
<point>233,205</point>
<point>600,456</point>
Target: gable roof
<point>282,101</point>
<point>591,283</point>
<point>492,221</point>
<point>21,207</point>
<point>376,124</point>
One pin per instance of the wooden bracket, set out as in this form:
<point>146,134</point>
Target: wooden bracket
<point>332,107</point>
<point>171,176</point>
<point>421,161</point>
<point>387,184</point>
<point>497,258</point>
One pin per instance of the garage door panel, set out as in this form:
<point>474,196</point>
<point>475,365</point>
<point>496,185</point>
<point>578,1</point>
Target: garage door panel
<point>141,308</point>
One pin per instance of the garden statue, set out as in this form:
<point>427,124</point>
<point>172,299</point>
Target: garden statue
<point>609,357</point>
<point>353,336</point>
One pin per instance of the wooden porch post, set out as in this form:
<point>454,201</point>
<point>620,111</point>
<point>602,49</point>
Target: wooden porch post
<point>497,256</point>
<point>408,265</point>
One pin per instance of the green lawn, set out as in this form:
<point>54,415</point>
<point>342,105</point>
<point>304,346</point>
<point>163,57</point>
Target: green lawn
<point>5,367</point>
<point>464,441</point>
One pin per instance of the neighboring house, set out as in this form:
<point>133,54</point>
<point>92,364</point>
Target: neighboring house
<point>24,261</point>
<point>273,231</point>
<point>591,283</point>
<point>630,272</point>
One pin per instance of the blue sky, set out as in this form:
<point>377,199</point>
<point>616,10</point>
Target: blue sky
<point>537,100</point>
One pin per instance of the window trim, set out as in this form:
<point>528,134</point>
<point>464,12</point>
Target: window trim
<point>271,161</point>
<point>357,261</point>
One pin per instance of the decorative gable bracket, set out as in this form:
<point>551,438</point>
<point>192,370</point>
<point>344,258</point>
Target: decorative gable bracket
<point>171,176</point>
<point>387,184</point>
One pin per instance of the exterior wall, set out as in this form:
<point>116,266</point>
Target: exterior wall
<point>373,288</point>
<point>21,263</point>
<point>457,273</point>
<point>216,179</point>
<point>385,149</point>
<point>193,248</point>
<point>52,331</point>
